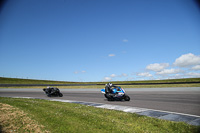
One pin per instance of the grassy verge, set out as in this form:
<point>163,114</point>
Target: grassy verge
<point>189,81</point>
<point>15,120</point>
<point>161,86</point>
<point>60,87</point>
<point>102,86</point>
<point>4,80</point>
<point>67,117</point>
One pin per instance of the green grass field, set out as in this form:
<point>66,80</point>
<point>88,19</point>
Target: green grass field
<point>34,81</point>
<point>31,81</point>
<point>52,83</point>
<point>67,117</point>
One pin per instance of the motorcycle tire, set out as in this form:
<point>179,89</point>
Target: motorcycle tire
<point>60,95</point>
<point>106,95</point>
<point>127,98</point>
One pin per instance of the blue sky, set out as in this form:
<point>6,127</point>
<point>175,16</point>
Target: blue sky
<point>100,40</point>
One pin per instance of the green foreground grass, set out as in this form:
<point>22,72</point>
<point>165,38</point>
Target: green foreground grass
<point>68,117</point>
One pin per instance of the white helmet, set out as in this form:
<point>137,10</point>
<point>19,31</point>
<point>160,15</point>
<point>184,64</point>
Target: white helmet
<point>109,84</point>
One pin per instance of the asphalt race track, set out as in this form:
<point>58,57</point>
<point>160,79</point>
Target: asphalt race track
<point>181,100</point>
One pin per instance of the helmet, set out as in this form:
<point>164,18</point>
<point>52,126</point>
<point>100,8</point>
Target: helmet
<point>109,84</point>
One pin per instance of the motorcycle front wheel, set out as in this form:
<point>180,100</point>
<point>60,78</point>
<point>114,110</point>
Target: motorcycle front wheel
<point>127,98</point>
<point>60,95</point>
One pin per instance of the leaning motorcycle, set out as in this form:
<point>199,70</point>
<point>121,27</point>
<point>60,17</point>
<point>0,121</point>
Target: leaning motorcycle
<point>117,93</point>
<point>52,91</point>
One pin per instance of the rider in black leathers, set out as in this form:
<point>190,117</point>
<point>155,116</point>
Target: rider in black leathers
<point>108,89</point>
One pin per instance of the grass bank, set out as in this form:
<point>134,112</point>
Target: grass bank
<point>15,120</point>
<point>68,117</point>
<point>189,82</point>
<point>103,86</point>
<point>4,80</point>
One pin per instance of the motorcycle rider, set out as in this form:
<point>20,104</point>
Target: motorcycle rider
<point>109,89</point>
<point>51,90</point>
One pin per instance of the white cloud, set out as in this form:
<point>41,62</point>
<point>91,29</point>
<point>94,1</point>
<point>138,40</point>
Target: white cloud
<point>125,40</point>
<point>76,72</point>
<point>193,74</point>
<point>110,78</point>
<point>123,75</point>
<point>113,75</point>
<point>176,76</point>
<point>164,70</point>
<point>107,79</point>
<point>169,71</point>
<point>157,67</point>
<point>197,67</point>
<point>130,78</point>
<point>187,60</point>
<point>111,55</point>
<point>145,74</point>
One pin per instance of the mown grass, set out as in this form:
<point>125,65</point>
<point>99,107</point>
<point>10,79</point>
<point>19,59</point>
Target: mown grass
<point>15,120</point>
<point>68,117</point>
<point>4,80</point>
<point>100,84</point>
<point>161,85</point>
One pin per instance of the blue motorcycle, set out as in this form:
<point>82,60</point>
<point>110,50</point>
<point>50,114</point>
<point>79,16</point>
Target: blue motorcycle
<point>116,93</point>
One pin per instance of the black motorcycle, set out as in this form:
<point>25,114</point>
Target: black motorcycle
<point>52,91</point>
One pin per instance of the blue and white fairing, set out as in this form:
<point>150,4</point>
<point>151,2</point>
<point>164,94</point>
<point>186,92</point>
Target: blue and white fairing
<point>117,93</point>
<point>103,91</point>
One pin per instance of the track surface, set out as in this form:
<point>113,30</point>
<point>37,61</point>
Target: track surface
<point>181,100</point>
